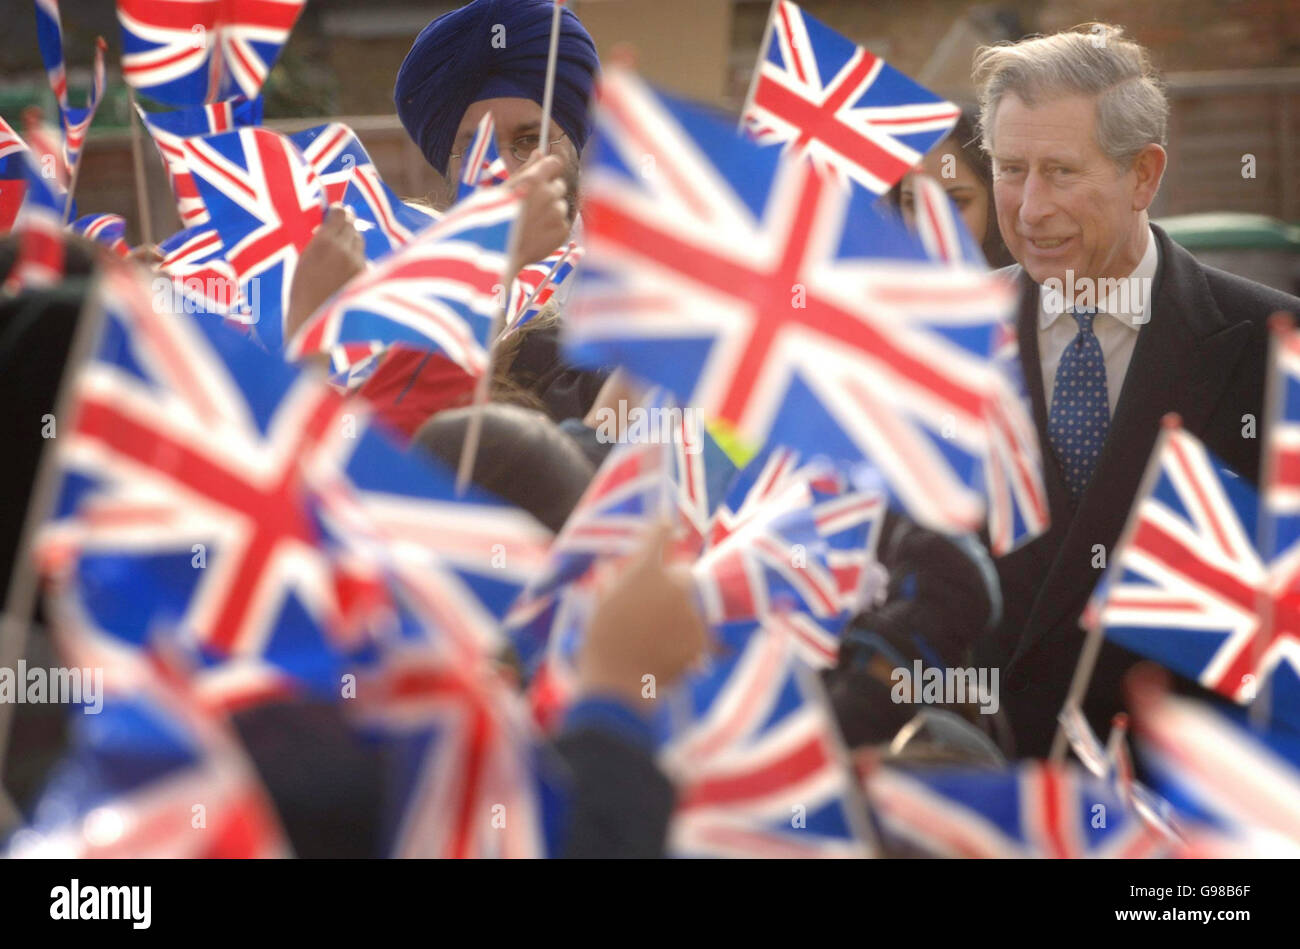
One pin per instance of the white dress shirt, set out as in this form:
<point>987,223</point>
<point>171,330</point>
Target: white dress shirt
<point>1121,313</point>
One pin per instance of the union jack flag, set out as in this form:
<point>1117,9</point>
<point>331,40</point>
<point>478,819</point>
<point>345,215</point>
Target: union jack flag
<point>169,131</point>
<point>776,562</point>
<point>191,52</point>
<point>216,497</point>
<point>611,520</point>
<point>675,473</point>
<point>334,153</point>
<point>13,175</point>
<point>39,229</point>
<point>1186,586</point>
<point>1220,772</point>
<point>1113,764</point>
<point>49,37</point>
<point>482,164</point>
<point>1036,810</point>
<point>441,292</point>
<point>135,770</point>
<point>537,284</point>
<point>190,246</point>
<point>757,760</point>
<point>349,177</point>
<point>386,221</point>
<point>1013,464</point>
<point>847,520</point>
<point>818,94</point>
<point>188,507</point>
<point>454,563</point>
<point>192,258</point>
<point>264,202</point>
<point>106,229</point>
<point>49,34</point>
<point>462,763</point>
<point>1281,538</point>
<point>789,309</point>
<point>847,508</point>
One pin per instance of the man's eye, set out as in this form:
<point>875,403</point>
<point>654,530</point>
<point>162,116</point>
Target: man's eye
<point>527,142</point>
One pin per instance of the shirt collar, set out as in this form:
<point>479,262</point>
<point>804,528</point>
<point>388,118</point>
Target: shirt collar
<point>1129,304</point>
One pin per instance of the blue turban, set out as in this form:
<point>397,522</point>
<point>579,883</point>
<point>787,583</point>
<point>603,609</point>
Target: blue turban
<point>462,57</point>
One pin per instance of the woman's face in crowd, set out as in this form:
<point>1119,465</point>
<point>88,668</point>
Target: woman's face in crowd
<point>946,165</point>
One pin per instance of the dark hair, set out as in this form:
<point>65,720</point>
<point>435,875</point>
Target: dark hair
<point>523,457</point>
<point>965,135</point>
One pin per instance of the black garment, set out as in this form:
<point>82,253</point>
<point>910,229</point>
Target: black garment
<point>1204,356</point>
<point>326,782</point>
<point>330,786</point>
<point>538,367</point>
<point>36,330</point>
<point>941,598</point>
<point>621,802</point>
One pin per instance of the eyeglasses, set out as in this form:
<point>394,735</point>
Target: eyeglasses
<point>522,147</point>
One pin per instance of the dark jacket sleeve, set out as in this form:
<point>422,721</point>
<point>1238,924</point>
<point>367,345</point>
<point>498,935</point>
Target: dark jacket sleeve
<point>620,802</point>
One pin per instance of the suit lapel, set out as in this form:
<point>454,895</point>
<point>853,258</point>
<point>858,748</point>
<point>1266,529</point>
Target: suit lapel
<point>1181,362</point>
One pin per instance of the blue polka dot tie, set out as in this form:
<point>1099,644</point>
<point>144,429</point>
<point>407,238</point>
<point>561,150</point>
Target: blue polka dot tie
<point>1080,413</point>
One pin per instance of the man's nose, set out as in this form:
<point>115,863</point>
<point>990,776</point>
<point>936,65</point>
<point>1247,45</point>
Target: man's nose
<point>1035,200</point>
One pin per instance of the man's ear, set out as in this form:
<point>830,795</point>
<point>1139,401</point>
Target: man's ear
<point>1149,167</point>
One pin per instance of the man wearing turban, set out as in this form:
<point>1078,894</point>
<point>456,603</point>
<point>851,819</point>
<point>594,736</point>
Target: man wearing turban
<point>490,56</point>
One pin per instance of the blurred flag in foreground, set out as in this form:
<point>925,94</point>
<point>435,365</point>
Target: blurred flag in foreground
<point>1187,587</point>
<point>1033,810</point>
<point>781,305</point>
<point>757,758</point>
<point>441,292</point>
<point>1228,780</point>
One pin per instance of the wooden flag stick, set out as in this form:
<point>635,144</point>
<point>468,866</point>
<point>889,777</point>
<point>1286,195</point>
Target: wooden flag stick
<point>474,430</point>
<point>141,184</point>
<point>549,91</point>
<point>24,581</point>
<point>72,186</point>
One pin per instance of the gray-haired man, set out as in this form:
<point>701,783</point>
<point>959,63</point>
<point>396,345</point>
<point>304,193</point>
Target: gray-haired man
<point>1117,325</point>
